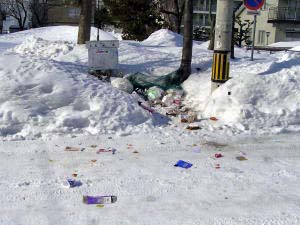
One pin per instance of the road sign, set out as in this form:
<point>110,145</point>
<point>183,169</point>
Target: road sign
<point>253,12</point>
<point>254,4</point>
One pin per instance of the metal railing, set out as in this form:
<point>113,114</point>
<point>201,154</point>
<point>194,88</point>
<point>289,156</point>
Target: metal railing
<point>203,8</point>
<point>284,14</point>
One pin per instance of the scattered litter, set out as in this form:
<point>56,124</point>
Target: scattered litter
<point>99,200</point>
<point>175,92</point>
<point>93,146</point>
<point>218,155</point>
<point>135,152</point>
<point>71,183</point>
<point>183,164</point>
<point>213,118</point>
<point>114,151</point>
<point>188,118</point>
<point>144,81</point>
<point>50,160</point>
<point>168,100</point>
<point>82,149</point>
<point>154,93</point>
<point>72,149</point>
<point>94,160</point>
<point>101,150</point>
<point>172,112</point>
<point>241,158</point>
<point>109,137</point>
<point>177,101</point>
<point>217,166</point>
<point>99,206</point>
<point>74,175</point>
<point>193,127</point>
<point>146,107</point>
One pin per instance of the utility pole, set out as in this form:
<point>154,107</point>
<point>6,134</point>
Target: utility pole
<point>222,48</point>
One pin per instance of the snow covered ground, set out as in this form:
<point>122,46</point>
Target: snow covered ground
<point>48,102</point>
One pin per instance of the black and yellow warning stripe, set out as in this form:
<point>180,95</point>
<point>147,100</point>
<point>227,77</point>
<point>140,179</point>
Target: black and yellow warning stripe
<point>220,67</point>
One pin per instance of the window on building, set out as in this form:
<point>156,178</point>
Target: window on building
<point>206,20</point>
<point>261,37</point>
<point>294,3</point>
<point>74,12</point>
<point>292,34</point>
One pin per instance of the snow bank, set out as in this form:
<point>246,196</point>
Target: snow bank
<point>265,100</point>
<point>286,44</point>
<point>296,49</point>
<point>57,33</point>
<point>41,97</point>
<point>38,99</point>
<point>164,37</point>
<point>41,48</point>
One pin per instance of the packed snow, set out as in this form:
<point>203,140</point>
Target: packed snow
<point>164,37</point>
<point>288,44</point>
<point>295,49</point>
<point>48,102</point>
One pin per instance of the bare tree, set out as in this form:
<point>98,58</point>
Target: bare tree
<point>212,22</point>
<point>39,10</point>
<point>187,50</point>
<point>17,9</point>
<point>84,31</point>
<point>173,11</point>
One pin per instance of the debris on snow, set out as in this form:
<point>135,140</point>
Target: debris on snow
<point>99,199</point>
<point>183,164</point>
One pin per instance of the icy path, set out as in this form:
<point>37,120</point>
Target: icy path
<point>262,190</point>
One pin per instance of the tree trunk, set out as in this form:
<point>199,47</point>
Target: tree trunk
<point>186,60</point>
<point>211,45</point>
<point>212,28</point>
<point>232,37</point>
<point>84,31</point>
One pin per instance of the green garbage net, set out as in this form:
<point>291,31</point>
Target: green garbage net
<point>143,81</point>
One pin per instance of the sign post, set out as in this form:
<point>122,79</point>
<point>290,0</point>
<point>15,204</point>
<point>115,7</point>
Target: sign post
<point>253,38</point>
<point>254,5</point>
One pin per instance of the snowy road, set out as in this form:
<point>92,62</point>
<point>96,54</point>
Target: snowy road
<point>261,190</point>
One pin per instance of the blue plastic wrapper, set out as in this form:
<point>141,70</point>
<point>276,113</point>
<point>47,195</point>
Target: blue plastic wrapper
<point>183,164</point>
<point>73,183</point>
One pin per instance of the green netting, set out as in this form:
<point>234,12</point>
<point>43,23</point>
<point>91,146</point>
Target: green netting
<point>143,81</point>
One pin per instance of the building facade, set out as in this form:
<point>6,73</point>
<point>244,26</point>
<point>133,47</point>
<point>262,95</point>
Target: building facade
<point>279,21</point>
<point>201,12</point>
<point>67,14</point>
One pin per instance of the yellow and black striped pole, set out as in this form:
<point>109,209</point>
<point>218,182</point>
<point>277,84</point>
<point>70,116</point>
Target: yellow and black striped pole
<point>220,69</point>
<point>223,31</point>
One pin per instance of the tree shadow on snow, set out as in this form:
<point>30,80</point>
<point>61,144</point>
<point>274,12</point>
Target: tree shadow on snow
<point>70,67</point>
<point>160,119</point>
<point>149,66</point>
